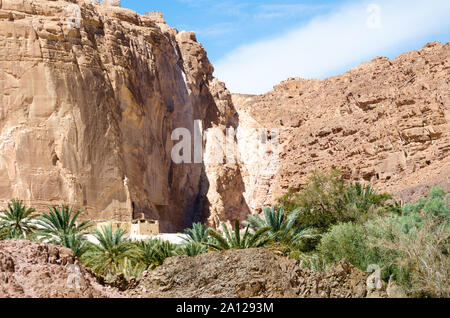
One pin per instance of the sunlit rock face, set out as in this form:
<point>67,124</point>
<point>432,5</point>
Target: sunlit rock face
<point>386,122</point>
<point>91,93</point>
<point>89,96</point>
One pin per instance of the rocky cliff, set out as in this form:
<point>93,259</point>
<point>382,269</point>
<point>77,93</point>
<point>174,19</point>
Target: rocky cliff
<point>89,97</point>
<point>384,122</point>
<point>90,94</point>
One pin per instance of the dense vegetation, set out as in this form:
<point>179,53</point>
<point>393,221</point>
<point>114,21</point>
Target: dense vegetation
<point>330,219</point>
<point>410,242</point>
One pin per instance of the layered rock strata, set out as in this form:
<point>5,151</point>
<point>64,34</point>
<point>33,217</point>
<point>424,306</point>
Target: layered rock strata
<point>90,94</point>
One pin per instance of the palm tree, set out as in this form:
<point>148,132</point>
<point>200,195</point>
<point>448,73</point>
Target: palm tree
<point>4,234</point>
<point>364,197</point>
<point>193,249</point>
<point>132,269</point>
<point>198,233</point>
<point>58,225</point>
<point>77,243</point>
<point>17,221</point>
<point>282,229</point>
<point>273,218</point>
<point>112,251</point>
<point>235,240</point>
<point>153,253</point>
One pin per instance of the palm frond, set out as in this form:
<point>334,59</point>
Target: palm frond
<point>60,223</point>
<point>17,220</point>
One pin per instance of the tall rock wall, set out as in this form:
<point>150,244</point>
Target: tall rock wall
<point>384,122</point>
<point>89,96</point>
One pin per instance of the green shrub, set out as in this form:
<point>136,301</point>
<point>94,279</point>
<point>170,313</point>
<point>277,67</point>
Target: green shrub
<point>130,269</point>
<point>437,205</point>
<point>420,238</point>
<point>350,241</point>
<point>321,202</point>
<point>4,234</point>
<point>364,202</point>
<point>422,254</point>
<point>346,241</point>
<point>313,261</point>
<point>327,199</point>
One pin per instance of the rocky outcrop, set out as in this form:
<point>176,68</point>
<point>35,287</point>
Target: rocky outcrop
<point>248,273</point>
<point>385,122</point>
<point>36,270</point>
<point>89,96</point>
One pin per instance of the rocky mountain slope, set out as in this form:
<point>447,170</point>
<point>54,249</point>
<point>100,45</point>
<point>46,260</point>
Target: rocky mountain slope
<point>384,122</point>
<point>89,97</point>
<point>36,270</point>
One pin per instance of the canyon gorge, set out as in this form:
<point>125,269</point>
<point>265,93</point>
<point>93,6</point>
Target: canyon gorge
<point>91,93</point>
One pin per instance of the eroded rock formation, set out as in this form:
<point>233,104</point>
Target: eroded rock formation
<point>37,270</point>
<point>249,273</point>
<point>385,122</point>
<point>89,96</point>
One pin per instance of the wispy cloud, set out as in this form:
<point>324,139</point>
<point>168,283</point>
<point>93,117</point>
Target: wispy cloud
<point>277,11</point>
<point>217,30</point>
<point>330,42</point>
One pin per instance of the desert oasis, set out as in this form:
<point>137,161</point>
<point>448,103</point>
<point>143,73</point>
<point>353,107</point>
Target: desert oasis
<point>128,170</point>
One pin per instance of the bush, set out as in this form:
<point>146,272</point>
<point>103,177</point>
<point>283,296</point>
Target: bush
<point>412,248</point>
<point>421,238</point>
<point>350,241</point>
<point>321,202</point>
<point>346,241</point>
<point>436,205</point>
<point>364,202</point>
<point>424,251</point>
<point>327,199</point>
<point>315,262</point>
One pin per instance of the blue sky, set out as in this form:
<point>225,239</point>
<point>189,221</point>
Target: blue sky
<point>254,44</point>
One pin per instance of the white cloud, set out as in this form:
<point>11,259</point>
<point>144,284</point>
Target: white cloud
<point>277,11</point>
<point>216,30</point>
<point>328,43</point>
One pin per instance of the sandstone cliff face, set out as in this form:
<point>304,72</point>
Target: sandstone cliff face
<point>387,122</point>
<point>89,97</point>
<point>90,94</point>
